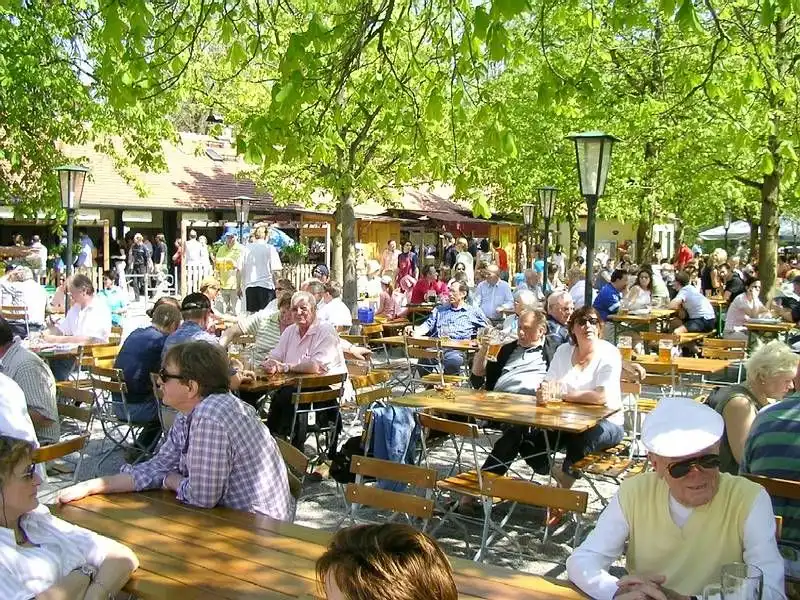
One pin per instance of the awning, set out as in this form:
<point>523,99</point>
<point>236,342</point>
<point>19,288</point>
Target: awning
<point>789,229</point>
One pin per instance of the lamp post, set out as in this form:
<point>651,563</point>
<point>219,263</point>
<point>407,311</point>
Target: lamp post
<point>726,223</point>
<point>70,180</point>
<point>593,156</point>
<point>547,203</point>
<point>527,218</point>
<point>241,204</point>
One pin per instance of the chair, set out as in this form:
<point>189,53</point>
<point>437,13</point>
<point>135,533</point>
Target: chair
<point>116,335</point>
<point>60,449</point>
<point>81,412</point>
<point>296,467</point>
<point>370,389</point>
<point>725,350</point>
<point>428,349</point>
<point>777,488</point>
<point>412,505</point>
<point>664,376</point>
<point>307,395</point>
<point>16,313</point>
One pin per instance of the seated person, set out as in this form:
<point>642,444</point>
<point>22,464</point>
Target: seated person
<point>457,321</point>
<point>681,522</point>
<point>640,295</point>
<point>524,300</point>
<point>87,321</point>
<point>114,297</point>
<point>265,325</point>
<point>307,346</point>
<point>332,310</point>
<point>35,380</point>
<point>428,288</point>
<point>139,356</point>
<point>392,303</point>
<point>559,309</point>
<point>197,318</point>
<point>609,301</point>
<point>19,288</point>
<point>698,311</point>
<point>283,286</point>
<point>58,301</point>
<point>382,562</point>
<point>42,555</point>
<point>217,453</point>
<point>493,293</point>
<point>770,371</point>
<point>744,307</point>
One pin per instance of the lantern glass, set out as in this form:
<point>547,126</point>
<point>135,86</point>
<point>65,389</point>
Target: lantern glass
<point>242,207</point>
<point>726,219</point>
<point>593,154</point>
<point>527,214</point>
<point>71,181</point>
<point>547,200</point>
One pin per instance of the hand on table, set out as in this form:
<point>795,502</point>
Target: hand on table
<point>270,366</point>
<point>75,492</point>
<point>247,376</point>
<point>172,481</point>
<point>645,587</point>
<point>360,352</point>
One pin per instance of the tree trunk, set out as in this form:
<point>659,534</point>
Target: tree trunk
<point>754,227</point>
<point>678,238</point>
<point>644,240</point>
<point>768,243</point>
<point>574,238</point>
<point>346,225</point>
<point>337,268</point>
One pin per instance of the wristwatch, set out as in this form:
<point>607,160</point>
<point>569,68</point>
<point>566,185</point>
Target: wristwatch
<point>88,570</point>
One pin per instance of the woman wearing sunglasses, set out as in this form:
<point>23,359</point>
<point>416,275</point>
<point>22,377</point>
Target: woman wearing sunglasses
<point>683,520</point>
<point>43,556</point>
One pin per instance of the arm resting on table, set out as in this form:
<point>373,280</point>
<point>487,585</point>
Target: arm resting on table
<point>73,585</point>
<point>597,396</point>
<point>114,573</point>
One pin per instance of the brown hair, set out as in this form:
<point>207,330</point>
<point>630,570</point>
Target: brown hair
<point>204,363</point>
<point>83,283</point>
<point>582,312</point>
<point>285,300</point>
<point>12,452</point>
<point>376,562</point>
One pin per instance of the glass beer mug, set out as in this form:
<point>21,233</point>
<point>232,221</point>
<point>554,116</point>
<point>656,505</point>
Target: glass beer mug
<point>665,350</point>
<point>625,345</point>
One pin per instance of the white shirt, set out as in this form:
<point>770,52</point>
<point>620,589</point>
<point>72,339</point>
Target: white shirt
<point>41,250</point>
<point>588,566</point>
<point>491,297</point>
<point>578,293</point>
<point>14,418</point>
<point>603,371</point>
<point>335,312</point>
<point>60,548</point>
<point>259,262</point>
<point>26,293</point>
<point>736,317</point>
<point>697,306</point>
<point>558,260</point>
<point>193,252</point>
<point>94,321</point>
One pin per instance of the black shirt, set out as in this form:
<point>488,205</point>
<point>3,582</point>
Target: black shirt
<point>735,286</point>
<point>450,256</point>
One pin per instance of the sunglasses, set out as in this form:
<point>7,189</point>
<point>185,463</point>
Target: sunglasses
<point>163,375</point>
<point>682,468</point>
<point>583,321</point>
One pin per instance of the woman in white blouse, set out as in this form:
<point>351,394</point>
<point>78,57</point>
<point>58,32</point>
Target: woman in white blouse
<point>585,371</point>
<point>640,294</point>
<point>42,556</point>
<point>743,308</point>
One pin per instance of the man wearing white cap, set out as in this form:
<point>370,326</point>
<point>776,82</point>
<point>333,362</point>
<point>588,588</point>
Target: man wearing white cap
<point>683,521</point>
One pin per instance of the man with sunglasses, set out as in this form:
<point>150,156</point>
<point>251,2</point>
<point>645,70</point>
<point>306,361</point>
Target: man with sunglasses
<point>682,521</point>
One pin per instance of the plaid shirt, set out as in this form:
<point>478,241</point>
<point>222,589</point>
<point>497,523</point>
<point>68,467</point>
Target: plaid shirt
<point>227,457</point>
<point>460,323</point>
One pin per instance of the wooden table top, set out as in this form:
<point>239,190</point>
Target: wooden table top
<point>655,314</point>
<point>769,327</point>
<point>717,301</point>
<point>211,554</point>
<point>700,366</point>
<point>519,409</point>
<point>264,382</point>
<point>397,340</point>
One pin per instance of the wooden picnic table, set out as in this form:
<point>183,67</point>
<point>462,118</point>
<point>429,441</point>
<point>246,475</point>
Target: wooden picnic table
<point>397,340</point>
<point>212,554</point>
<point>719,303</point>
<point>685,364</point>
<point>265,383</point>
<point>767,330</point>
<point>650,319</point>
<point>519,409</point>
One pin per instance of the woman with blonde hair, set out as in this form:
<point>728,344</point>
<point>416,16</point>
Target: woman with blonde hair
<point>710,282</point>
<point>770,371</point>
<point>43,556</point>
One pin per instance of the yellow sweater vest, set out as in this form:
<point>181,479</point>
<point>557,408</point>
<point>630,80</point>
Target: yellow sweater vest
<point>690,557</point>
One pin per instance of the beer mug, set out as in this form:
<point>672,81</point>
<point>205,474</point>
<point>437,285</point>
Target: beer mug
<point>665,350</point>
<point>741,582</point>
<point>551,392</point>
<point>625,345</point>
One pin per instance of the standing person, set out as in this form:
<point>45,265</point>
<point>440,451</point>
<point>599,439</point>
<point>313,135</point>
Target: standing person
<point>450,251</point>
<point>192,250</point>
<point>501,259</point>
<point>87,253</point>
<point>683,257</point>
<point>559,260</point>
<point>389,258</point>
<point>609,301</point>
<point>228,263</point>
<point>160,255</point>
<point>139,261</point>
<point>407,262</point>
<point>259,267</point>
<point>710,281</point>
<point>40,267</point>
<point>465,258</point>
<point>484,253</point>
<point>114,297</point>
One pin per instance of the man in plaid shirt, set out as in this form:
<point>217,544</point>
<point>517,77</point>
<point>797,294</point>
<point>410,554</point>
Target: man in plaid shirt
<point>218,453</point>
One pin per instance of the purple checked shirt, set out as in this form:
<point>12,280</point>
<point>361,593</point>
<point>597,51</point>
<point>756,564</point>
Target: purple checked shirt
<point>227,458</point>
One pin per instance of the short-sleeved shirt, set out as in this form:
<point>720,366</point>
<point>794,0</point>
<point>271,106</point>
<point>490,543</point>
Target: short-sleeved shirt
<point>188,331</point>
<point>772,450</point>
<point>29,294</point>
<point>697,306</point>
<point>735,286</point>
<point>140,356</point>
<point>502,259</point>
<point>93,322</point>
<point>228,261</point>
<point>259,263</point>
<point>456,323</point>
<point>603,371</point>
<point>84,258</point>
<point>523,372</point>
<point>115,300</point>
<point>335,312</point>
<point>265,326</point>
<point>608,301</point>
<point>320,343</point>
<point>58,549</point>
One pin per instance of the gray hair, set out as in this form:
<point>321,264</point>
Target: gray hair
<point>555,297</point>
<point>770,360</point>
<point>527,298</point>
<point>314,287</point>
<point>308,297</point>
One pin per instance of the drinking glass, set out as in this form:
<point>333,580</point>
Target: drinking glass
<point>444,332</point>
<point>625,345</point>
<point>741,582</point>
<point>712,591</point>
<point>665,350</point>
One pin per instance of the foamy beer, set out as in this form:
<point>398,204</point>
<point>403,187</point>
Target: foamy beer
<point>625,345</point>
<point>493,352</point>
<point>665,350</point>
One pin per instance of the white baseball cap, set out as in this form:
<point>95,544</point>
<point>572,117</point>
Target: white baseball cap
<point>680,427</point>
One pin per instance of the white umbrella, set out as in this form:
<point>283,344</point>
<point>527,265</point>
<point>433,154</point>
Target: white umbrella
<point>738,230</point>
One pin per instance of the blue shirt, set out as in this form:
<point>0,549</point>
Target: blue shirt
<point>457,323</point>
<point>116,302</point>
<point>139,356</point>
<point>608,301</point>
<point>189,331</point>
<point>84,258</point>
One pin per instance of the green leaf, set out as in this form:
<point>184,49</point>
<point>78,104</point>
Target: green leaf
<point>237,54</point>
<point>687,17</point>
<point>497,41</point>
<point>480,207</point>
<point>481,21</point>
<point>767,165</point>
<point>767,13</point>
<point>284,92</point>
<point>668,7</point>
<point>508,144</point>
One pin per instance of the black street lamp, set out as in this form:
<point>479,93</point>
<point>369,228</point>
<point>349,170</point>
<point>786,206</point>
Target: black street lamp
<point>547,203</point>
<point>528,211</point>
<point>70,180</point>
<point>241,204</point>
<point>726,223</point>
<point>593,155</point>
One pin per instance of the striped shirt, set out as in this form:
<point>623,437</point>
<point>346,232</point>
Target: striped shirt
<point>263,324</point>
<point>59,548</point>
<point>772,450</point>
<point>460,323</point>
<point>37,382</point>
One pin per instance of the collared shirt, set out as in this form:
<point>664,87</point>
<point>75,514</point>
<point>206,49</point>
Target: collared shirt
<point>265,326</point>
<point>320,344</point>
<point>335,312</point>
<point>115,299</point>
<point>456,323</point>
<point>523,372</point>
<point>259,263</point>
<point>423,286</point>
<point>139,356</point>
<point>492,296</point>
<point>36,381</point>
<point>59,548</point>
<point>608,301</point>
<point>228,262</point>
<point>188,331</point>
<point>93,322</point>
<point>29,294</point>
<point>226,456</point>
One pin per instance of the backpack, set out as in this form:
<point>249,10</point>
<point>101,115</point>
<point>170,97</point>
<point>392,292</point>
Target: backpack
<point>340,463</point>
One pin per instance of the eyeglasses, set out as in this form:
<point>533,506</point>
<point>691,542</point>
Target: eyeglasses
<point>584,321</point>
<point>29,471</point>
<point>682,468</point>
<point>163,375</point>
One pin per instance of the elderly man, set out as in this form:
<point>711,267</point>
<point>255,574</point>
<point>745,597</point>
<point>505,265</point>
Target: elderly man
<point>523,300</point>
<point>533,282</point>
<point>35,379</point>
<point>217,453</point>
<point>493,293</point>
<point>559,310</point>
<point>228,263</point>
<point>196,313</point>
<point>683,521</point>
<point>20,288</point>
